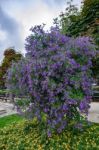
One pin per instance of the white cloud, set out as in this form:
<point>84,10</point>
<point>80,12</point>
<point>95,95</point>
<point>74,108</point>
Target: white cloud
<point>29,13</point>
<point>3,36</point>
<point>35,14</point>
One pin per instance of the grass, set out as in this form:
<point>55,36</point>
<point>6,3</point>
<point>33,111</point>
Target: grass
<point>7,120</point>
<point>3,91</point>
<point>30,135</point>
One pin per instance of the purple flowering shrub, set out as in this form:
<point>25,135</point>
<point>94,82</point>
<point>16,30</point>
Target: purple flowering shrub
<point>55,76</point>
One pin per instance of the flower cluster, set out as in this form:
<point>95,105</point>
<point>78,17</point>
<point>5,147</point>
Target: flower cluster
<point>55,76</point>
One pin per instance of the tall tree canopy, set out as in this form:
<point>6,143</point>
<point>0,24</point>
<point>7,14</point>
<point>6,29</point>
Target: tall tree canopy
<point>9,55</point>
<point>83,23</point>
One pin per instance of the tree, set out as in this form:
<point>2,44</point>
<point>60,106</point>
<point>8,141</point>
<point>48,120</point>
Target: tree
<point>69,17</point>
<point>55,78</point>
<point>90,17</point>
<point>85,23</point>
<point>9,55</point>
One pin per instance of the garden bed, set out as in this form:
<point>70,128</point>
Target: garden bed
<point>29,135</point>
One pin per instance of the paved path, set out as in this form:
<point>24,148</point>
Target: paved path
<point>7,109</point>
<point>94,112</point>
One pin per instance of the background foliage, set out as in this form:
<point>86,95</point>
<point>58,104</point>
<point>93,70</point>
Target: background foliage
<point>83,23</point>
<point>9,55</point>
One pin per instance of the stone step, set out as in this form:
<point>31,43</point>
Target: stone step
<point>2,111</point>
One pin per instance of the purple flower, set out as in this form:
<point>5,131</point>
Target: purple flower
<point>72,102</point>
<point>49,133</point>
<point>59,130</point>
<point>54,77</point>
<point>79,126</point>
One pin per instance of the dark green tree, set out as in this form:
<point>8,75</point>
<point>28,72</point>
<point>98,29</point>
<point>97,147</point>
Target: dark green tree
<point>69,17</point>
<point>9,55</point>
<point>83,23</point>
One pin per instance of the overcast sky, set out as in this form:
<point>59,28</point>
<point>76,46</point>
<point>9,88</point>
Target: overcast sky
<point>17,16</point>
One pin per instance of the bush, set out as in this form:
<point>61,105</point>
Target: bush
<point>55,77</point>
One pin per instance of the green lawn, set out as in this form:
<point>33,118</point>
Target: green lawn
<point>3,91</point>
<point>17,133</point>
<point>7,120</point>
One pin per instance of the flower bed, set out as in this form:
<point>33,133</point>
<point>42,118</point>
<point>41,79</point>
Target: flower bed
<point>29,135</point>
